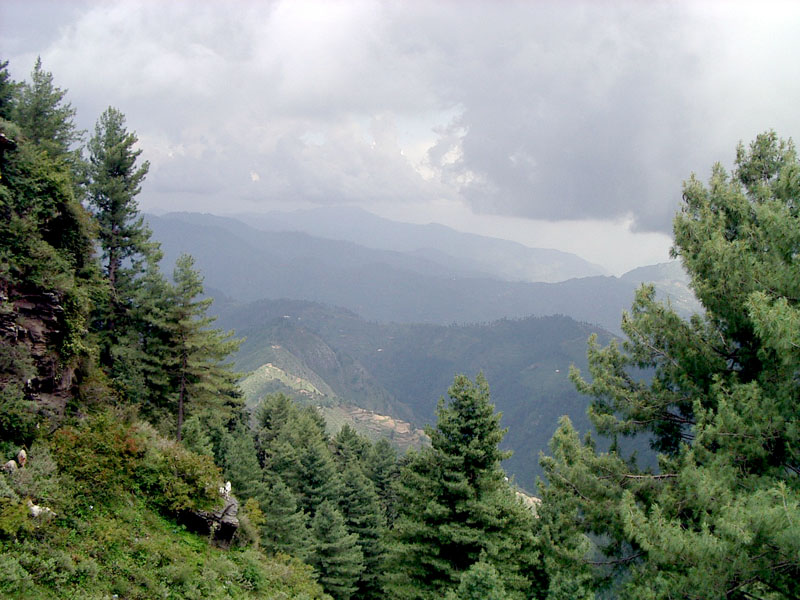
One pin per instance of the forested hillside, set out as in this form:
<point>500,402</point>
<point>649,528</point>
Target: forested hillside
<point>400,370</point>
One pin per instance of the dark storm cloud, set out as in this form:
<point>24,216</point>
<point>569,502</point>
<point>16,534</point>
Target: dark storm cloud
<point>544,110</point>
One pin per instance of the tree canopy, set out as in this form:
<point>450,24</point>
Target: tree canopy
<point>720,517</point>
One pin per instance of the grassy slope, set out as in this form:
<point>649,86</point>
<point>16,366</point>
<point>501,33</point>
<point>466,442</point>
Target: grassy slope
<point>115,488</point>
<point>133,552</point>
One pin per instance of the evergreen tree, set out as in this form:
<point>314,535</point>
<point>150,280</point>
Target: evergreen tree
<point>721,516</point>
<point>363,517</point>
<point>8,91</point>
<point>241,465</point>
<point>336,555</point>
<point>480,582</point>
<point>349,447</point>
<point>381,467</point>
<point>201,377</point>
<point>318,480</point>
<point>45,118</point>
<point>116,180</point>
<point>285,528</point>
<point>455,507</point>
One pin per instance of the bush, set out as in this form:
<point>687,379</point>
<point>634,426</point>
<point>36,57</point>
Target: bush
<point>17,416</point>
<point>102,456</point>
<point>177,479</point>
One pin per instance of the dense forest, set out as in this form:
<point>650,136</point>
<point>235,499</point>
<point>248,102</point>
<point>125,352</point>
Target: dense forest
<point>134,469</point>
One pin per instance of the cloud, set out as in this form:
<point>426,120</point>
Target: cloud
<point>541,110</point>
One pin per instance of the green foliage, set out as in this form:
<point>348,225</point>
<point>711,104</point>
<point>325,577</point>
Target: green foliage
<point>115,181</point>
<point>18,418</point>
<point>285,527</point>
<point>201,377</point>
<point>8,91</point>
<point>44,116</point>
<point>380,465</point>
<point>363,517</point>
<point>336,555</point>
<point>720,517</point>
<point>480,582</point>
<point>101,455</point>
<point>177,479</point>
<point>455,507</point>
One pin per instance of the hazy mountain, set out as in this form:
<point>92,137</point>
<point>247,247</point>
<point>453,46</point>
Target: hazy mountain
<point>497,258</point>
<point>248,264</point>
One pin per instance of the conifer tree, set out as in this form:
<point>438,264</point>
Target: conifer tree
<point>455,507</point>
<point>46,119</point>
<point>115,181</point>
<point>480,582</point>
<point>201,377</point>
<point>8,91</point>
<point>241,465</point>
<point>336,555</point>
<point>349,447</point>
<point>720,518</point>
<point>381,467</point>
<point>363,517</point>
<point>285,528</point>
<point>319,480</point>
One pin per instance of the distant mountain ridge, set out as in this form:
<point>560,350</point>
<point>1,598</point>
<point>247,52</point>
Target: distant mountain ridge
<point>248,264</point>
<point>493,257</point>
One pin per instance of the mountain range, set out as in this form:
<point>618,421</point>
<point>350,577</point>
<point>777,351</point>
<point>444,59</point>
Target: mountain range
<point>417,286</point>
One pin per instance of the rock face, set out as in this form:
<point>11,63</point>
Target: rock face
<point>32,331</point>
<point>221,525</point>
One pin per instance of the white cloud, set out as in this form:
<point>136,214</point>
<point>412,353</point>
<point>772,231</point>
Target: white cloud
<point>541,110</point>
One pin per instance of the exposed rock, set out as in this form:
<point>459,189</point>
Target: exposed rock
<point>531,502</point>
<point>221,525</point>
<point>32,324</point>
<point>37,511</point>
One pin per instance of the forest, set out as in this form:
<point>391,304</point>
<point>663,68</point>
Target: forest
<point>133,467</point>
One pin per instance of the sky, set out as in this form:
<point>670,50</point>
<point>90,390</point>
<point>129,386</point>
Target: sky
<point>567,125</point>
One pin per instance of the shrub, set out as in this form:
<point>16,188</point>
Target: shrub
<point>177,479</point>
<point>102,455</point>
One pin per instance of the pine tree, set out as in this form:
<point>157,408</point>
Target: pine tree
<point>319,480</point>
<point>46,119</point>
<point>455,507</point>
<point>382,468</point>
<point>285,528</point>
<point>349,447</point>
<point>363,517</point>
<point>115,182</point>
<point>241,465</point>
<point>336,555</point>
<point>201,377</point>
<point>480,582</point>
<point>8,92</point>
<point>721,516</point>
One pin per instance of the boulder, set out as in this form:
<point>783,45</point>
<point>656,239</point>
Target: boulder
<point>222,524</point>
<point>38,512</point>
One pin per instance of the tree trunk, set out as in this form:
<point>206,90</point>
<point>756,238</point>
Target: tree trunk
<point>181,396</point>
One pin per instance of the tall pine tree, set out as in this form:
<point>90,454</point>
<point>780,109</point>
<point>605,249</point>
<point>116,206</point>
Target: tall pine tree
<point>336,555</point>
<point>201,376</point>
<point>456,508</point>
<point>720,518</point>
